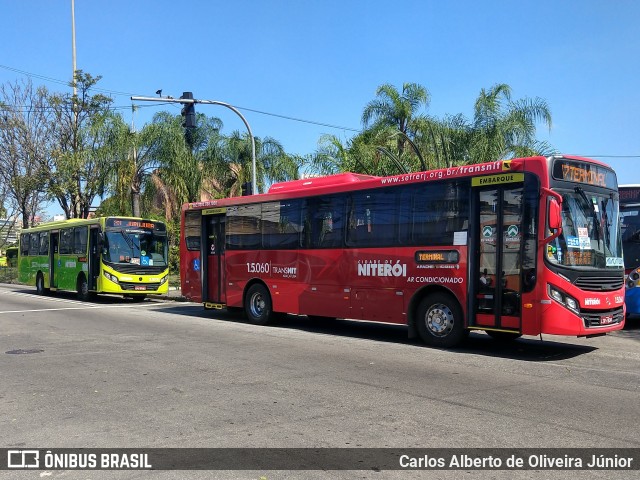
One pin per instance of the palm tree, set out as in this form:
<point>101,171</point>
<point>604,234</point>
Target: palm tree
<point>443,142</point>
<point>231,165</point>
<point>397,109</point>
<point>503,128</point>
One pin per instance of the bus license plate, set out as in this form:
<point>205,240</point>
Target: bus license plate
<point>606,319</point>
<point>140,287</point>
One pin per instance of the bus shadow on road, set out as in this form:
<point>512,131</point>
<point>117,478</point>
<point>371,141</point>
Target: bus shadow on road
<point>102,299</point>
<point>631,328</point>
<point>530,349</point>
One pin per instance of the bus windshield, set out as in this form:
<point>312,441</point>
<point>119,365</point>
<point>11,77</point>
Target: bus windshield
<point>590,231</point>
<point>630,226</point>
<point>139,247</point>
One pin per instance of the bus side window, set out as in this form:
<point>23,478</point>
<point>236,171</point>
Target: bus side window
<point>243,228</point>
<point>34,244</point>
<point>24,244</point>
<point>44,243</point>
<point>435,213</point>
<point>80,240</point>
<point>192,223</point>
<point>373,218</point>
<point>282,224</point>
<point>66,241</point>
<point>327,221</point>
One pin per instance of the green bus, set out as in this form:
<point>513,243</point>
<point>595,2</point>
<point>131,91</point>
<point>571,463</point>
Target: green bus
<point>116,255</point>
<point>9,258</point>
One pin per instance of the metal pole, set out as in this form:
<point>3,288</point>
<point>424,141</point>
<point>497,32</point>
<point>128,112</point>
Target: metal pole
<point>73,45</point>
<point>254,183</point>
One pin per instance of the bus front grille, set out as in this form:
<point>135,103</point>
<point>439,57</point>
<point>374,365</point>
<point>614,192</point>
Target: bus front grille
<point>133,269</point>
<point>600,284</point>
<point>139,287</point>
<point>602,318</point>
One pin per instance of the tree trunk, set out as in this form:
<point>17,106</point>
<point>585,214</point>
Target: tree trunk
<point>135,199</point>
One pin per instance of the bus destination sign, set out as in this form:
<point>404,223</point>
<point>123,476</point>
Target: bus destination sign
<point>581,172</point>
<point>129,223</point>
<point>436,256</point>
<point>629,194</point>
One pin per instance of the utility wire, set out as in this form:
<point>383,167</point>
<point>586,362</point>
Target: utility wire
<point>118,93</point>
<point>285,117</point>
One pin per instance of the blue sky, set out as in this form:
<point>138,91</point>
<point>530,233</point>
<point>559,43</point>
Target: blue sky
<point>322,60</point>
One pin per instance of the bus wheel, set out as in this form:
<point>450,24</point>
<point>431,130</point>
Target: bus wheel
<point>503,336</point>
<point>439,321</point>
<point>257,305</point>
<point>40,284</point>
<point>83,288</point>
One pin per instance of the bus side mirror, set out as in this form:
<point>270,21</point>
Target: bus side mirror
<point>555,219</point>
<point>554,215</point>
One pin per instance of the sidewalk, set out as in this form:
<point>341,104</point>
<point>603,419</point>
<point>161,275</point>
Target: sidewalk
<point>175,293</point>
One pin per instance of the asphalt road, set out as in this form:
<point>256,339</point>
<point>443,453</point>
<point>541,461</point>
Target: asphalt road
<point>113,373</point>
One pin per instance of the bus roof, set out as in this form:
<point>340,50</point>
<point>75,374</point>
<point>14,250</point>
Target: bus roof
<point>354,181</point>
<point>72,222</point>
<point>317,182</point>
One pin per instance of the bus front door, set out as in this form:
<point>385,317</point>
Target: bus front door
<point>53,254</point>
<point>94,258</point>
<point>496,266</point>
<point>213,290</point>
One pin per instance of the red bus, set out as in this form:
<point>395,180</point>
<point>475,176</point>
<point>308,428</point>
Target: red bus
<point>524,246</point>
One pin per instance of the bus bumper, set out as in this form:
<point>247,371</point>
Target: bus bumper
<point>559,320</point>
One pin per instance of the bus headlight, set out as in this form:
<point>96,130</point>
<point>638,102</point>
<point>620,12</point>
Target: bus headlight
<point>571,303</point>
<point>110,277</point>
<point>633,280</point>
<point>555,294</point>
<point>564,299</point>
<point>164,280</point>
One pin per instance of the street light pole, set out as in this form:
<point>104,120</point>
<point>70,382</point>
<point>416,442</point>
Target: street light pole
<point>73,45</point>
<point>254,183</point>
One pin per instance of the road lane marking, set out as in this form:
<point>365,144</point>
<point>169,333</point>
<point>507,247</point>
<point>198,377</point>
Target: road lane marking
<point>43,297</point>
<point>86,307</point>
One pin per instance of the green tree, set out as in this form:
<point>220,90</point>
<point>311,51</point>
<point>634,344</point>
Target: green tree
<point>179,172</point>
<point>232,165</point>
<point>503,128</point>
<point>400,110</point>
<point>85,134</point>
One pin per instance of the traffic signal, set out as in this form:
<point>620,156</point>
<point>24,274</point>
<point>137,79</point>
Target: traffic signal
<point>188,111</point>
<point>247,189</point>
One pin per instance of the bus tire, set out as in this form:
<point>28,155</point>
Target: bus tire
<point>257,305</point>
<point>503,336</point>
<point>439,321</point>
<point>82,287</point>
<point>40,290</point>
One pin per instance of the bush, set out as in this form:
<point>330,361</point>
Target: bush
<point>8,274</point>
